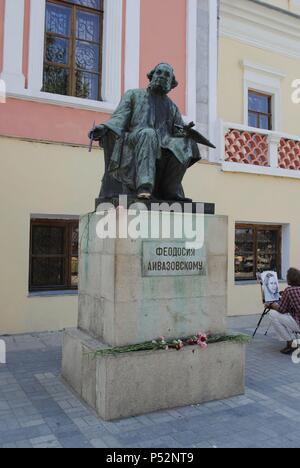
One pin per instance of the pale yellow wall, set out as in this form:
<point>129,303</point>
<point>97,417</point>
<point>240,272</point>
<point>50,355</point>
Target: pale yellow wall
<point>231,82</point>
<point>53,179</point>
<point>247,198</point>
<point>38,179</point>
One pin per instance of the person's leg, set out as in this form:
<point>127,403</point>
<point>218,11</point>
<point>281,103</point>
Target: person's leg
<point>146,147</point>
<point>285,326</point>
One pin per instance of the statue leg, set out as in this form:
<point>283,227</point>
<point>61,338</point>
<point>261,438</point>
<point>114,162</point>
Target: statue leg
<point>170,173</point>
<point>146,149</point>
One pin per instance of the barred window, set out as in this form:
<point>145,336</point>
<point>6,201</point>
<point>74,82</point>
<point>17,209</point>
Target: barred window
<point>257,249</point>
<point>53,255</point>
<point>73,48</point>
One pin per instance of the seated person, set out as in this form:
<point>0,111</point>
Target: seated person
<point>285,314</point>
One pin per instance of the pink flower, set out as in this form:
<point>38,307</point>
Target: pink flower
<point>192,341</point>
<point>202,335</point>
<point>162,338</point>
<point>202,340</point>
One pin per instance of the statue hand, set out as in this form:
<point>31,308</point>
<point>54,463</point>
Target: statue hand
<point>183,131</point>
<point>98,132</point>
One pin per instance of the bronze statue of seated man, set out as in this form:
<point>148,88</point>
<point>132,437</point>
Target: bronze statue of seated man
<point>147,146</point>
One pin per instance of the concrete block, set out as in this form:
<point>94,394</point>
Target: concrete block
<point>119,305</point>
<point>136,383</point>
<point>72,361</point>
<point>216,235</point>
<point>91,314</point>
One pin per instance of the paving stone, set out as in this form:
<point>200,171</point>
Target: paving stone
<point>4,406</point>
<point>42,440</point>
<point>37,409</point>
<point>32,422</point>
<point>24,444</point>
<point>98,443</point>
<point>9,446</point>
<point>74,442</point>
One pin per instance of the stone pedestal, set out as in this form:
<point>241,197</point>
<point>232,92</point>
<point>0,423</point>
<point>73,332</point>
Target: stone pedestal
<point>132,291</point>
<point>136,383</point>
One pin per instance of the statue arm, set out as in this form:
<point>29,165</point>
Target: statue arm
<point>178,121</point>
<point>181,130</point>
<point>119,121</point>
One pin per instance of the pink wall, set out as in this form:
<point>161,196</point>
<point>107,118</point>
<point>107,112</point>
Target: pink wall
<point>163,38</point>
<point>123,45</point>
<point>2,9</point>
<point>26,40</point>
<point>46,121</point>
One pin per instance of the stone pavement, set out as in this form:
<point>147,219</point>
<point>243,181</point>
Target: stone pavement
<point>38,410</point>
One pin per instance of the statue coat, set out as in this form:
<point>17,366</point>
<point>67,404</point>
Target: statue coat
<point>138,110</point>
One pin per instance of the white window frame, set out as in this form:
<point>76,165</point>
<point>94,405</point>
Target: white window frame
<point>264,80</point>
<point>132,44</point>
<point>285,248</point>
<point>12,72</point>
<point>112,60</point>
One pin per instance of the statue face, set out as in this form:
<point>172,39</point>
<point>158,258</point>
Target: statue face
<point>162,79</point>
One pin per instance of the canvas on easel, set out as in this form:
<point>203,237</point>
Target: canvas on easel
<point>269,286</point>
<point>270,293</point>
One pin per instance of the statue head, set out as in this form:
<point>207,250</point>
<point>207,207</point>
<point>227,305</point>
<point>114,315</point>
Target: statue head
<point>162,79</point>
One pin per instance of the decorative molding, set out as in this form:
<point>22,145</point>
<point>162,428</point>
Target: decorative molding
<point>230,125</point>
<point>191,72</point>
<point>112,60</point>
<point>12,72</point>
<point>260,170</point>
<point>36,45</point>
<point>259,68</point>
<point>132,44</point>
<point>213,55</point>
<point>261,27</point>
<point>266,80</point>
<point>286,249</point>
<point>112,51</point>
<point>274,139</point>
<point>64,101</point>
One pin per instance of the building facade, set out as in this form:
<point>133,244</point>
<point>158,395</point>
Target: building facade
<point>255,179</point>
<point>65,64</point>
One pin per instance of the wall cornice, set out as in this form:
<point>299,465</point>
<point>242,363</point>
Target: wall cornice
<point>262,27</point>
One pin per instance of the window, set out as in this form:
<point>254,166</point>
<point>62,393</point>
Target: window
<point>73,48</point>
<point>53,255</point>
<point>257,249</point>
<point>259,110</point>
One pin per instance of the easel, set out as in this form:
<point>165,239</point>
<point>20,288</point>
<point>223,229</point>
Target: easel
<point>263,315</point>
<point>266,310</point>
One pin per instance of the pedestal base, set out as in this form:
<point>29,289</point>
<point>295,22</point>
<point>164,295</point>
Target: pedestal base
<point>135,383</point>
<point>159,205</point>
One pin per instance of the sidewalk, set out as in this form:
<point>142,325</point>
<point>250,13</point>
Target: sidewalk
<point>38,410</point>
